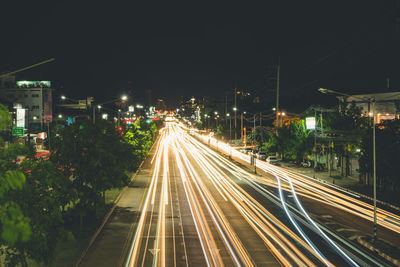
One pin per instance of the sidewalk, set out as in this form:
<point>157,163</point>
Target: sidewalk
<point>112,244</point>
<point>343,181</point>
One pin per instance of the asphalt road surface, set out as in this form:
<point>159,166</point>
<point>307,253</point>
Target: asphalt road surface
<point>200,208</point>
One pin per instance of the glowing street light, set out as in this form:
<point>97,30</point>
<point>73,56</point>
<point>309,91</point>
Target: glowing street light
<point>63,97</point>
<point>124,97</point>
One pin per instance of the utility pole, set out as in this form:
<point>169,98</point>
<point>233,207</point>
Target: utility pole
<point>230,128</point>
<point>235,109</point>
<point>374,157</point>
<point>226,107</point>
<point>315,143</point>
<point>277,94</point>
<point>241,126</point>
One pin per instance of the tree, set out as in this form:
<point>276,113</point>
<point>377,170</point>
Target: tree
<point>259,135</point>
<point>42,200</point>
<point>220,130</point>
<point>95,157</point>
<point>348,127</point>
<point>199,125</point>
<point>387,151</point>
<point>14,225</point>
<point>292,141</point>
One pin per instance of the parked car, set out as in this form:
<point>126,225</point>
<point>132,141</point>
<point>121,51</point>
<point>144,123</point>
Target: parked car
<point>272,159</point>
<point>262,155</point>
<point>246,150</point>
<point>306,163</point>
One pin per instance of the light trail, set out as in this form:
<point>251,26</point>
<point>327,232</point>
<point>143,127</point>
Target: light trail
<point>222,184</point>
<point>311,188</point>
<point>209,180</point>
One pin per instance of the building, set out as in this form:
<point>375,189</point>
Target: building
<point>387,105</point>
<point>32,100</point>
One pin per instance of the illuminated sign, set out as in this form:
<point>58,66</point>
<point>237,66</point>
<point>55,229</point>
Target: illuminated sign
<point>33,84</point>
<point>310,123</point>
<point>21,117</point>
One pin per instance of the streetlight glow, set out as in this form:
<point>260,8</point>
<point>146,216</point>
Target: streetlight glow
<point>63,97</point>
<point>124,98</point>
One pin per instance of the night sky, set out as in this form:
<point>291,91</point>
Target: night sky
<point>102,50</point>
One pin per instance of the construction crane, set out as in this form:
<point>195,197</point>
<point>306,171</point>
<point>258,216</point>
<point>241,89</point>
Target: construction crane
<point>27,68</point>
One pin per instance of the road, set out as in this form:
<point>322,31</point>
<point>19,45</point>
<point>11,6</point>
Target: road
<point>201,209</point>
<point>196,202</point>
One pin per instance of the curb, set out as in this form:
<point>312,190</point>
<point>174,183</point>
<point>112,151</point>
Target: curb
<point>108,215</point>
<point>380,253</point>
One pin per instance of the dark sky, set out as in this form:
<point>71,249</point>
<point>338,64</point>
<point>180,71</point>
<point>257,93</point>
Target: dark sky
<point>189,49</point>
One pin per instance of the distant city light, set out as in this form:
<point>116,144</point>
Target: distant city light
<point>63,97</point>
<point>124,98</point>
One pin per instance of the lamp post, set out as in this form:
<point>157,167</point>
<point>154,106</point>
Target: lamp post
<point>230,126</point>
<point>370,101</point>
<point>122,98</point>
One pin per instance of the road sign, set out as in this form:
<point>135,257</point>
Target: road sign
<point>70,120</point>
<point>18,131</point>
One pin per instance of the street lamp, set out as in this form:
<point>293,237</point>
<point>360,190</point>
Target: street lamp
<point>230,126</point>
<point>99,106</point>
<point>63,97</point>
<point>370,101</point>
